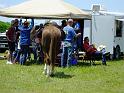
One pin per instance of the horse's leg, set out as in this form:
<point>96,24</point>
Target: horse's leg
<point>47,65</point>
<point>52,54</point>
<point>48,70</point>
<point>45,69</point>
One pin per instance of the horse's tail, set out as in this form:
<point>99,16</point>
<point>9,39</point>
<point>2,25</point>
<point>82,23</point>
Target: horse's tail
<point>52,52</point>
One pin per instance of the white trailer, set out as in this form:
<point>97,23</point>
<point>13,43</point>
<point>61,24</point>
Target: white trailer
<point>108,30</point>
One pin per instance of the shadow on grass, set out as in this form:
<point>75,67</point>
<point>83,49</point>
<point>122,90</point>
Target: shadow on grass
<point>116,60</point>
<point>87,64</point>
<point>33,62</point>
<point>62,75</point>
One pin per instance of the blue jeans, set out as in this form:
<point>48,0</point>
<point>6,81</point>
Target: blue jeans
<point>17,56</point>
<point>35,53</point>
<point>24,54</point>
<point>98,53</point>
<point>38,53</point>
<point>66,57</point>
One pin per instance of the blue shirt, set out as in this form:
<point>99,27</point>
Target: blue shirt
<point>25,33</point>
<point>69,33</point>
<point>77,26</point>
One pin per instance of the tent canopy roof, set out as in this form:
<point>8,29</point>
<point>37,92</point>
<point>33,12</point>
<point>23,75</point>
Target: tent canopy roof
<point>44,9</point>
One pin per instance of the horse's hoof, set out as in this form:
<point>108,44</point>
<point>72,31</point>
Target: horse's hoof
<point>47,76</point>
<point>44,72</point>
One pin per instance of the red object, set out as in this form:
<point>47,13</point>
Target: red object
<point>89,48</point>
<point>11,34</point>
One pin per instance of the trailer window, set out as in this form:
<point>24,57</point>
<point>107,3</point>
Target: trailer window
<point>119,28</point>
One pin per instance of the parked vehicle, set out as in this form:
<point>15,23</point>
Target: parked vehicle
<point>3,42</point>
<point>108,30</point>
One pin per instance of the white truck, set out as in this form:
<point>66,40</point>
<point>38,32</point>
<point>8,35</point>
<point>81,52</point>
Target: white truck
<point>3,42</point>
<point>108,30</point>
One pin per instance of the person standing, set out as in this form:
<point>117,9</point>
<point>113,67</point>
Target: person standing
<point>77,30</point>
<point>25,39</point>
<point>11,34</point>
<point>37,50</point>
<point>17,33</point>
<point>64,23</point>
<point>67,50</point>
<point>17,52</point>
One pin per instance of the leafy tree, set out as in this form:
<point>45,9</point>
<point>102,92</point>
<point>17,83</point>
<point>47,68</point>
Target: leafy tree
<point>4,26</point>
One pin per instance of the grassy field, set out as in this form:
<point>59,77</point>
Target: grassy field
<point>77,79</point>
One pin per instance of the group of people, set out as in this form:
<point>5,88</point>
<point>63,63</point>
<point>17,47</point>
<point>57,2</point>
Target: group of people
<point>69,47</point>
<point>19,40</point>
<point>18,36</point>
<point>69,44</point>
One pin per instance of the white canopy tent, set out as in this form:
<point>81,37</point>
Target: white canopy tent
<point>44,9</point>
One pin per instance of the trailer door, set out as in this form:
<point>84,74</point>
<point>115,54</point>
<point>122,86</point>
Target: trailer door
<point>103,31</point>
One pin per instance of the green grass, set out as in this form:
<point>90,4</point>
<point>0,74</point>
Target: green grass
<point>77,79</point>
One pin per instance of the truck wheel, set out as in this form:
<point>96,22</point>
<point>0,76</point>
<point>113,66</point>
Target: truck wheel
<point>117,52</point>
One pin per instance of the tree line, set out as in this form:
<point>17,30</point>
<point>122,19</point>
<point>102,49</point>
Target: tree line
<point>4,26</point>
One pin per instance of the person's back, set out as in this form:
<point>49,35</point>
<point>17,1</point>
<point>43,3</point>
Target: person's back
<point>25,35</point>
<point>69,33</point>
<point>11,34</point>
<point>25,32</point>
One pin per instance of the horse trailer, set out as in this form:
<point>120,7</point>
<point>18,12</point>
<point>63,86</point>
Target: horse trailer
<point>108,30</point>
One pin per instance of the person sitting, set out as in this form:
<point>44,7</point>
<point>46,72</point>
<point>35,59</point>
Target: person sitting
<point>92,51</point>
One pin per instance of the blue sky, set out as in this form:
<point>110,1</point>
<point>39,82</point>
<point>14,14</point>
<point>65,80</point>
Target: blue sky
<point>110,5</point>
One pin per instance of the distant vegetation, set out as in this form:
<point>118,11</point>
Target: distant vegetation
<point>4,26</point>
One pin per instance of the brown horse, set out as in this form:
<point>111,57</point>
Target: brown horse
<point>51,40</point>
